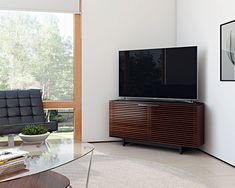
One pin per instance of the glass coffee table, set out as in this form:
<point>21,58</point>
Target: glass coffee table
<point>42,159</point>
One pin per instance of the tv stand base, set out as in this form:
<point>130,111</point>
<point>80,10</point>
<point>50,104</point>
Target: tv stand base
<point>124,143</point>
<point>180,149</point>
<point>175,125</point>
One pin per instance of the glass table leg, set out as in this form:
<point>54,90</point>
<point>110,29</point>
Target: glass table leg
<point>89,169</point>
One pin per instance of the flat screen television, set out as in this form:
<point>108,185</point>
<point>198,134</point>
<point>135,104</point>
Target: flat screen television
<point>168,73</point>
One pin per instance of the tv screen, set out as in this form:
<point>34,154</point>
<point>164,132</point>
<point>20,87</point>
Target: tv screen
<point>158,73</point>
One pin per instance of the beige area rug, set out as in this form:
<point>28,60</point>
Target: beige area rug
<point>114,172</point>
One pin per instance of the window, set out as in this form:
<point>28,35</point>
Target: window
<point>64,117</point>
<point>36,51</point>
<point>40,50</point>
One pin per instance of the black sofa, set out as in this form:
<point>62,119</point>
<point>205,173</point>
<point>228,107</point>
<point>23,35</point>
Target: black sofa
<point>19,108</point>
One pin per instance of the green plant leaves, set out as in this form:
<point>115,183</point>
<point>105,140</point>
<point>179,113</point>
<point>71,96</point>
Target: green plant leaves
<point>34,129</point>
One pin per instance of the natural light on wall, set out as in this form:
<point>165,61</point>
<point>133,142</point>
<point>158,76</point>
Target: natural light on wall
<point>36,51</point>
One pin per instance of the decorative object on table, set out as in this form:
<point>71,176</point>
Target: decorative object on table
<point>227,51</point>
<point>33,134</point>
<point>12,160</point>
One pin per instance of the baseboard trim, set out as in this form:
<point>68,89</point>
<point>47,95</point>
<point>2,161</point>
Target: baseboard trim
<point>217,158</point>
<point>94,142</point>
<point>97,142</point>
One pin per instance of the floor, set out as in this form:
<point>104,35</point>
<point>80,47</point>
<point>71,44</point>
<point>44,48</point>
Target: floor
<point>195,162</point>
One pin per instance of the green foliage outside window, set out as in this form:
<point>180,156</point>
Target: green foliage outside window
<point>33,54</point>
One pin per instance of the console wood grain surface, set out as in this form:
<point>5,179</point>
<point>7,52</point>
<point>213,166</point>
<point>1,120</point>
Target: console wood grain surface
<point>176,123</point>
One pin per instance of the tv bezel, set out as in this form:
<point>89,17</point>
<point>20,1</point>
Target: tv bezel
<point>157,98</point>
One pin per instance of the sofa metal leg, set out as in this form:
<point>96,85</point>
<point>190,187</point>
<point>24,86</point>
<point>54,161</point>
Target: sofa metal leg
<point>11,140</point>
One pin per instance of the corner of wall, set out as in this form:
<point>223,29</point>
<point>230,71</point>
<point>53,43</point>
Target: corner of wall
<point>176,22</point>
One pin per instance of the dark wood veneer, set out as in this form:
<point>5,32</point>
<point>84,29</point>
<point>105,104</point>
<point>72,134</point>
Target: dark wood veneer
<point>176,123</point>
<point>47,179</point>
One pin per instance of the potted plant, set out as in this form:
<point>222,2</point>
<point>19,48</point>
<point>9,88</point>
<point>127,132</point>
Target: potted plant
<point>34,133</point>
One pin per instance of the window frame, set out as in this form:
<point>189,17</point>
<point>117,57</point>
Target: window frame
<point>76,103</point>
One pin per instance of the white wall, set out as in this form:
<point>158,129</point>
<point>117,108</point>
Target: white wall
<point>108,26</point>
<point>198,23</point>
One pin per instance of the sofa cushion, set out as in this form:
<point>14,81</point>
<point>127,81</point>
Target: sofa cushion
<point>38,119</point>
<point>37,111</point>
<point>35,93</point>
<point>12,94</point>
<point>14,120</point>
<point>23,94</point>
<point>27,119</point>
<point>3,112</point>
<point>2,94</point>
<point>13,112</point>
<point>26,111</point>
<point>24,102</point>
<point>4,121</point>
<point>3,103</point>
<point>12,103</point>
<point>36,102</point>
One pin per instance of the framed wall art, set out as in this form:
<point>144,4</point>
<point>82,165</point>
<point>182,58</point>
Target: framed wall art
<point>227,51</point>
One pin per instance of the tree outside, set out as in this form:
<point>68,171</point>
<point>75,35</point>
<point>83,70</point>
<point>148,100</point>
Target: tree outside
<point>34,54</point>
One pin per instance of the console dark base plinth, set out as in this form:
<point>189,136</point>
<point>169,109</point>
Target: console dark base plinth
<point>124,142</point>
<point>180,149</point>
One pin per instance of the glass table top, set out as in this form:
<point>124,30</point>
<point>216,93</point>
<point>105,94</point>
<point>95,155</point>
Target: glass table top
<point>49,155</point>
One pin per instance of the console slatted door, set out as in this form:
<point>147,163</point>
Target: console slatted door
<point>178,125</point>
<point>128,120</point>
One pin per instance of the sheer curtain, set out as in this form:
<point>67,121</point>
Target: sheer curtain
<point>71,6</point>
